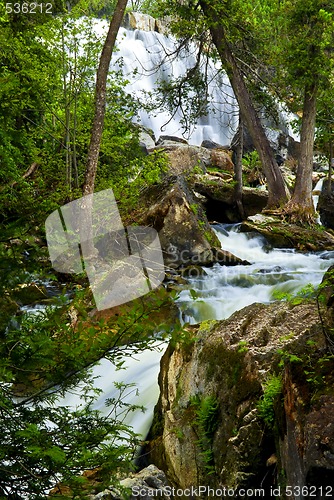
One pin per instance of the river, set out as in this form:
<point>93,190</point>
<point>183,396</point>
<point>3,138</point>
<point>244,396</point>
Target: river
<point>217,294</point>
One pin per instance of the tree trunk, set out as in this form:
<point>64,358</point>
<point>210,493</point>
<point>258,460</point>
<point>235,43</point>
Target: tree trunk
<point>86,223</point>
<point>238,168</point>
<point>300,207</point>
<point>278,192</point>
<point>330,168</point>
<point>100,98</point>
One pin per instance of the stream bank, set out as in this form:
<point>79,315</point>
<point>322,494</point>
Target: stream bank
<point>249,403</point>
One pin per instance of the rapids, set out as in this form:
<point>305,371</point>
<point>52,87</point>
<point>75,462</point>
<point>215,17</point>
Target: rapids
<point>271,273</point>
<point>215,295</point>
<point>143,57</point>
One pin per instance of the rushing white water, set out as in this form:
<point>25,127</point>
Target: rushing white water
<point>140,373</point>
<point>222,291</point>
<point>226,289</point>
<point>147,58</point>
<point>142,58</point>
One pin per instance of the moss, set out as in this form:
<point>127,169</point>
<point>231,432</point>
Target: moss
<point>230,360</point>
<point>194,208</point>
<point>212,238</point>
<point>282,234</point>
<point>207,326</point>
<point>272,391</point>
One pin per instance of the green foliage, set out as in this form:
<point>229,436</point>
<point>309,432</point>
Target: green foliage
<point>288,357</point>
<point>194,208</point>
<point>130,179</point>
<point>308,292</point>
<point>41,357</point>
<point>319,373</point>
<point>47,121</point>
<point>44,355</point>
<point>243,346</point>
<point>252,161</point>
<point>145,6</point>
<point>303,53</point>
<point>271,393</point>
<point>206,422</point>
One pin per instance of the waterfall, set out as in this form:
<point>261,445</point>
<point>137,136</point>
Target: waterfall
<point>271,273</point>
<point>220,292</point>
<point>147,57</point>
<point>140,374</point>
<point>142,58</point>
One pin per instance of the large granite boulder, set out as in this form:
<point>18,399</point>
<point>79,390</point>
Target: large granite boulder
<point>185,234</point>
<point>187,158</point>
<point>249,404</point>
<point>145,484</point>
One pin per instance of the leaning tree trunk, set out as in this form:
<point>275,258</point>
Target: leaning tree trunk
<point>100,98</point>
<point>238,168</point>
<point>86,222</point>
<point>278,192</point>
<point>300,207</point>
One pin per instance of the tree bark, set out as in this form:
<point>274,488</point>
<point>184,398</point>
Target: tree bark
<point>330,168</point>
<point>238,168</point>
<point>278,192</point>
<point>100,98</point>
<point>300,207</point>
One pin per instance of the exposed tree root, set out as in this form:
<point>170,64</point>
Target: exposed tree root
<point>296,213</point>
<point>293,213</point>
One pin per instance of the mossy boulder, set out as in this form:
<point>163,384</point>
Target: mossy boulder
<point>230,364</point>
<point>283,235</point>
<point>185,235</point>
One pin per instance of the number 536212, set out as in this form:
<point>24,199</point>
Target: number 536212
<point>28,8</point>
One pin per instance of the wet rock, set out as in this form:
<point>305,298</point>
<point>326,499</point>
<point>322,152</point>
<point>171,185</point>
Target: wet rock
<point>326,209</point>
<point>220,195</point>
<point>227,258</point>
<point>184,232</point>
<point>193,271</point>
<point>275,269</point>
<point>145,484</point>
<point>284,235</point>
